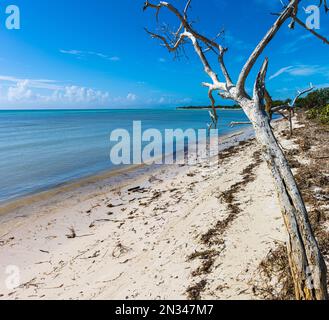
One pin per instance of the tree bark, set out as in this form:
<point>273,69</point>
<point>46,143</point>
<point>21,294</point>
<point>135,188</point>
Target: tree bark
<point>306,261</point>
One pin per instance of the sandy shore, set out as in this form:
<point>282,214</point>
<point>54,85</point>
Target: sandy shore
<point>181,232</point>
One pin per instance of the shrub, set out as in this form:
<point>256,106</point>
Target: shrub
<point>318,98</point>
<point>319,113</point>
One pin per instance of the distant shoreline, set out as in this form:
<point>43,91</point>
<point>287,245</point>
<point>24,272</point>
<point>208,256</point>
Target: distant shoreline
<point>209,108</point>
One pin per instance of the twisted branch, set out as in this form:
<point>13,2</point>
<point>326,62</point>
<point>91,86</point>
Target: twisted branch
<point>301,23</point>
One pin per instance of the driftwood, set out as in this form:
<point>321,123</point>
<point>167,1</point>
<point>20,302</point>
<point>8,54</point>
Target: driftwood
<point>306,262</point>
<point>235,123</point>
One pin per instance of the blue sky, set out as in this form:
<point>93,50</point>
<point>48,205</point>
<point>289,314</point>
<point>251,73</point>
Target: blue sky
<point>96,54</point>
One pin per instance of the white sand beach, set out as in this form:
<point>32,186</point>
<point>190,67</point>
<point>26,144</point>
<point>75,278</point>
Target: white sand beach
<point>208,225</point>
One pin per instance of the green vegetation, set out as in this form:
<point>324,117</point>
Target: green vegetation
<point>319,113</point>
<point>278,103</point>
<point>316,99</point>
<point>317,105</point>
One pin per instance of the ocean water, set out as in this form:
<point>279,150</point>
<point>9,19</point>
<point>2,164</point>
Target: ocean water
<point>43,149</point>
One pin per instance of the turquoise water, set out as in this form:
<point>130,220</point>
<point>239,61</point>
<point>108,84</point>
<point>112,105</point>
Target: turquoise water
<point>43,149</point>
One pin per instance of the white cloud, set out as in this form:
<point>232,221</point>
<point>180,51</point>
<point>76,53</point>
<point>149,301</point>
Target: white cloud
<point>72,52</point>
<point>280,71</point>
<point>305,70</point>
<point>294,45</point>
<point>29,91</point>
<point>131,97</point>
<point>33,83</point>
<point>37,93</point>
<point>302,71</point>
<point>20,92</point>
<point>76,94</point>
<point>169,100</point>
<point>81,54</point>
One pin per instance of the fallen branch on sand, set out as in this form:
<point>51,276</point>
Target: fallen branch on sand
<point>72,234</point>
<point>92,225</point>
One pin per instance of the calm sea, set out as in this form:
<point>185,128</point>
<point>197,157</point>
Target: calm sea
<point>43,149</point>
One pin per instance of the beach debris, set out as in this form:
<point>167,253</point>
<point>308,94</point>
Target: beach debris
<point>54,288</point>
<point>45,251</point>
<point>2,236</point>
<point>85,235</point>
<point>72,234</point>
<point>119,250</point>
<point>208,258</point>
<point>99,220</point>
<point>111,205</point>
<point>274,270</point>
<point>134,189</point>
<point>116,278</point>
<point>93,207</point>
<point>155,179</point>
<point>43,262</point>
<point>215,235</point>
<point>204,255</point>
<point>95,255</point>
<point>51,237</point>
<point>156,195</point>
<point>4,242</point>
<point>194,292</point>
<point>29,284</point>
<point>138,189</point>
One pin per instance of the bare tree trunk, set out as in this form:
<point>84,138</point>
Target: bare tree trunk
<point>306,262</point>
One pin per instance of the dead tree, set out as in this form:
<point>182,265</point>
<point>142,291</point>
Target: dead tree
<point>290,107</point>
<point>306,261</point>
